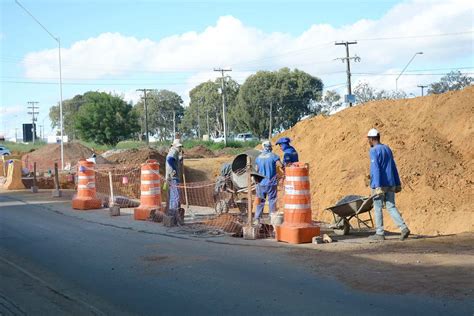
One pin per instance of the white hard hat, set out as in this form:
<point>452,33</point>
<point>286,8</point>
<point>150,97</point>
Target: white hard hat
<point>373,133</point>
<point>177,143</point>
<point>266,144</point>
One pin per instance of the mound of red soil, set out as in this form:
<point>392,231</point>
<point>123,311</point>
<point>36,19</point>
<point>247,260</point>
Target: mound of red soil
<point>46,156</point>
<point>199,152</point>
<point>432,139</point>
<point>135,157</point>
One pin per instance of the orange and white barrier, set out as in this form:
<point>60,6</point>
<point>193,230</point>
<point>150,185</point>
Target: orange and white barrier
<point>86,192</point>
<point>297,225</point>
<point>13,181</point>
<point>150,190</point>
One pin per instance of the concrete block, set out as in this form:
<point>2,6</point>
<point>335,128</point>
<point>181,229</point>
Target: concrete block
<point>34,189</point>
<point>142,213</point>
<point>169,220</point>
<point>57,193</point>
<point>114,210</point>
<point>251,232</point>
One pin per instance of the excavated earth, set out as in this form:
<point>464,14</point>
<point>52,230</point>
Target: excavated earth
<point>433,144</point>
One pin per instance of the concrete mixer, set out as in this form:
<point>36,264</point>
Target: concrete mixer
<point>232,185</point>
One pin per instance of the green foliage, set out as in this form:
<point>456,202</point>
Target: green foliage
<point>70,109</point>
<point>330,102</point>
<point>291,93</point>
<point>206,101</point>
<point>23,148</point>
<point>105,119</point>
<point>161,106</point>
<point>187,144</point>
<point>454,80</point>
<point>365,93</point>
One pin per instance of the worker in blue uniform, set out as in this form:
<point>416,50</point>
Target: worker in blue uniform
<point>384,182</point>
<point>289,152</point>
<point>267,188</point>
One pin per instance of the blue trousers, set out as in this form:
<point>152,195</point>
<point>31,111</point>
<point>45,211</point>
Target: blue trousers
<point>174,194</point>
<point>389,199</point>
<point>264,192</point>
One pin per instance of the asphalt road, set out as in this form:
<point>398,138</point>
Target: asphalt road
<point>52,263</point>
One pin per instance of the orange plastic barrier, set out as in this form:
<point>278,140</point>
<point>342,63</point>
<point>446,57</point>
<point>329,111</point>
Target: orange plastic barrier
<point>297,225</point>
<point>86,192</point>
<point>150,190</point>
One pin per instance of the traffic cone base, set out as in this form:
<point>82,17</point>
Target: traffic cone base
<point>296,235</point>
<point>86,204</point>
<point>143,213</point>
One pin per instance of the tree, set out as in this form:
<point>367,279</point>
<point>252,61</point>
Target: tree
<point>454,80</point>
<point>290,94</point>
<point>206,101</point>
<point>163,106</point>
<point>70,109</point>
<point>330,103</point>
<point>105,119</point>
<point>365,93</point>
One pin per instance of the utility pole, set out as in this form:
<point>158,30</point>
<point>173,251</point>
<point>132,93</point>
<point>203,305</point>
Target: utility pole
<point>222,71</point>
<point>422,88</point>
<point>146,112</point>
<point>16,134</point>
<point>33,107</point>
<point>348,66</point>
<point>208,129</point>
<point>41,132</point>
<point>199,117</point>
<point>270,128</point>
<point>174,124</point>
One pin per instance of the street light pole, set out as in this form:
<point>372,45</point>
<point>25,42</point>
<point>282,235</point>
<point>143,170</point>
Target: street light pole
<point>60,79</point>
<point>396,80</point>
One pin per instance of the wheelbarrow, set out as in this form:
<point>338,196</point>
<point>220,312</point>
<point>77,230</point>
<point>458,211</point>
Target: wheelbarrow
<point>351,206</point>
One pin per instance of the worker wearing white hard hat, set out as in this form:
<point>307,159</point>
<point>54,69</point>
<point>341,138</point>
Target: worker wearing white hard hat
<point>384,183</point>
<point>173,164</point>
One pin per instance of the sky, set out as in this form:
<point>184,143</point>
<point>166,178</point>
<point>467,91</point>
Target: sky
<point>120,46</point>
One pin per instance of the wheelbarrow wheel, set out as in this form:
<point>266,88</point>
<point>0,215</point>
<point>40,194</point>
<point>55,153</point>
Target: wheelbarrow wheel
<point>344,230</point>
<point>221,207</point>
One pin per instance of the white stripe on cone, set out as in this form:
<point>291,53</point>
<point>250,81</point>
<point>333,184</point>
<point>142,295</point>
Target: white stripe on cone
<point>297,206</point>
<point>296,192</point>
<point>86,177</point>
<point>295,178</point>
<point>150,181</point>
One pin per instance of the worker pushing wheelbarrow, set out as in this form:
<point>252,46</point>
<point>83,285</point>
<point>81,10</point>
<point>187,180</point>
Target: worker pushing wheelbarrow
<point>351,206</point>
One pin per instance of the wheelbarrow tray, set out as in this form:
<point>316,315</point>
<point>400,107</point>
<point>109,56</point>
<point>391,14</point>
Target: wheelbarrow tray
<point>343,212</point>
<point>353,207</point>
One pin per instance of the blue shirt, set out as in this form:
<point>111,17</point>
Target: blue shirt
<point>289,154</point>
<point>383,171</point>
<point>266,163</point>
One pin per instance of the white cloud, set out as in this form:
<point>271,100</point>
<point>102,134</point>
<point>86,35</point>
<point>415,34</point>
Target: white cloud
<point>247,49</point>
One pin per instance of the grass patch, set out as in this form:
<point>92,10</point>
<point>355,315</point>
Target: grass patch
<point>23,148</point>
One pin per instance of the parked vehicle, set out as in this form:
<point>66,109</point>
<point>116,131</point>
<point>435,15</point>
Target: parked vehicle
<point>4,151</point>
<point>219,139</point>
<point>245,137</point>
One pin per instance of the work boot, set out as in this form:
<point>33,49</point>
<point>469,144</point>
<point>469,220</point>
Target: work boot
<point>404,234</point>
<point>377,237</point>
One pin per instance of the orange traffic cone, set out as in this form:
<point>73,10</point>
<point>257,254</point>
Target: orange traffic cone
<point>150,190</point>
<point>297,225</point>
<point>86,192</point>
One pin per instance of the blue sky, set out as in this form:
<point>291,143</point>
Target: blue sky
<point>119,46</point>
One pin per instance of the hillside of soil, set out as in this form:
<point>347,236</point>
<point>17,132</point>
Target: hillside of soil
<point>135,157</point>
<point>432,140</point>
<point>46,156</point>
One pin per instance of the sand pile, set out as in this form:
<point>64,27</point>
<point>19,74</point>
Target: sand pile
<point>46,156</point>
<point>432,140</point>
<point>135,157</point>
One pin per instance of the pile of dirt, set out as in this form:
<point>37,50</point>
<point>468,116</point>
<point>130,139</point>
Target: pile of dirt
<point>46,156</point>
<point>433,144</point>
<point>199,152</point>
<point>137,156</point>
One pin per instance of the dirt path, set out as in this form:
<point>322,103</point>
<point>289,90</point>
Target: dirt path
<point>433,266</point>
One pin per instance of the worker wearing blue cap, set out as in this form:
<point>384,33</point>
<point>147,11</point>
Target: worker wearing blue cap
<point>289,152</point>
